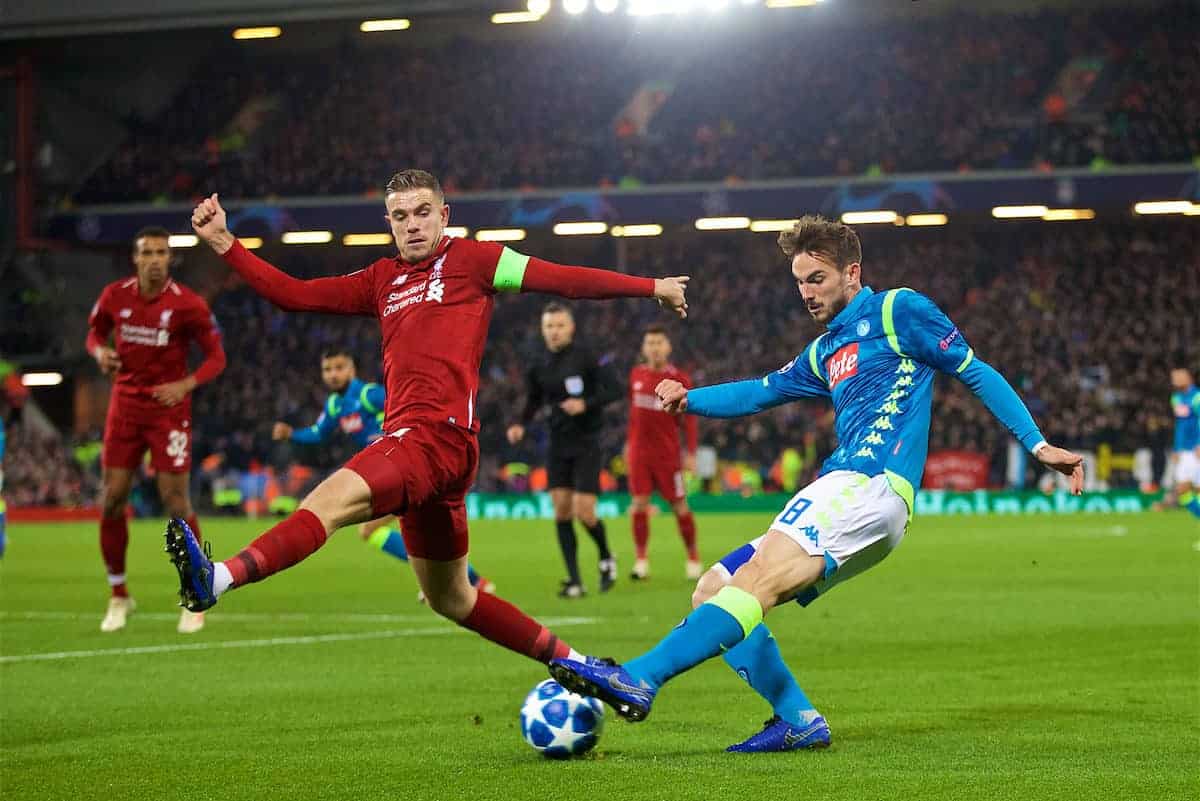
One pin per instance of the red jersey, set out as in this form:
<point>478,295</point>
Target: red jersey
<point>433,315</point>
<point>152,337</point>
<point>653,432</point>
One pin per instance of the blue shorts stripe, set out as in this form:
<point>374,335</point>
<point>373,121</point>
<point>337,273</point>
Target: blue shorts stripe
<point>735,559</point>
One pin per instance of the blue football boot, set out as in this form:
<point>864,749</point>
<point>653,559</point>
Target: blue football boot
<point>608,681</point>
<point>779,735</point>
<point>194,565</point>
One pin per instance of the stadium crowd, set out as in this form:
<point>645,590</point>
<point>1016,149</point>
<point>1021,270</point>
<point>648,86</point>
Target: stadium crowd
<point>951,92</point>
<point>1066,312</point>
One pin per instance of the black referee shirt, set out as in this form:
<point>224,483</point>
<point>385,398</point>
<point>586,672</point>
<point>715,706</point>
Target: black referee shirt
<point>573,372</point>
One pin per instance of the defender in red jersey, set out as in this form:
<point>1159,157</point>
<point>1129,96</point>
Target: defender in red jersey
<point>652,451</point>
<point>433,301</point>
<point>152,321</point>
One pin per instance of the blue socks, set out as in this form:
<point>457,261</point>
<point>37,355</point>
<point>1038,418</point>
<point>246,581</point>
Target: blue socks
<point>715,626</point>
<point>390,540</point>
<point>758,661</point>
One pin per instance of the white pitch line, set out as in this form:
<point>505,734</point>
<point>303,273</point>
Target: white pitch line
<point>261,643</point>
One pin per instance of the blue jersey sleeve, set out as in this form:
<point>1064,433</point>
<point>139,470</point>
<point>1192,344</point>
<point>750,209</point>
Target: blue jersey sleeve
<point>373,398</point>
<point>319,431</point>
<point>925,333</point>
<point>794,380</point>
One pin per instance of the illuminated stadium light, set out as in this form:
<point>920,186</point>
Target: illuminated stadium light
<point>251,242</point>
<point>648,8</point>
<point>606,6</point>
<point>642,229</point>
<point>767,226</point>
<point>865,217</point>
<point>1194,211</point>
<point>539,7</point>
<point>1163,207</point>
<point>265,32</point>
<point>579,228</point>
<point>575,7</point>
<point>459,231</point>
<point>500,234</point>
<point>183,240</point>
<point>791,3</point>
<point>366,239</point>
<point>1018,212</point>
<point>510,17</point>
<point>42,379</point>
<point>926,219</point>
<point>1057,215</point>
<point>374,25</point>
<point>716,5</point>
<point>722,223</point>
<point>307,237</point>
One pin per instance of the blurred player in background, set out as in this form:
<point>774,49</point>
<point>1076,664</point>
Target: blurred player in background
<point>434,302</point>
<point>356,407</point>
<point>653,454</point>
<point>13,395</point>
<point>140,331</point>
<point>876,362</point>
<point>577,387</point>
<point>1185,403</point>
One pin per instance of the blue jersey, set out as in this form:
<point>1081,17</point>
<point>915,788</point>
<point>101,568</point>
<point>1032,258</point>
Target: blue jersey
<point>357,411</point>
<point>1187,418</point>
<point>876,362</point>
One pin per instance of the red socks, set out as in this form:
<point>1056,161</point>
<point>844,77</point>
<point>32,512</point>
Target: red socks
<point>298,536</point>
<point>641,532</point>
<point>687,531</point>
<point>114,541</point>
<point>505,624</point>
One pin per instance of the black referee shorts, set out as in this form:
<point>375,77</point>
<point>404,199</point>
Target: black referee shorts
<point>575,467</point>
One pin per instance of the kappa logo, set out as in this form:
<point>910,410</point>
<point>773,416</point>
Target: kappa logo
<point>400,279</point>
<point>842,364</point>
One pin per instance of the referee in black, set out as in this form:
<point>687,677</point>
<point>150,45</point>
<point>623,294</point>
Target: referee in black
<point>577,387</point>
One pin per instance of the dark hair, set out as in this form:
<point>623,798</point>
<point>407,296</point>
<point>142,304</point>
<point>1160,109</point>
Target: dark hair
<point>413,179</point>
<point>331,352</point>
<point>554,307</point>
<point>151,231</point>
<point>834,241</point>
<point>656,328</point>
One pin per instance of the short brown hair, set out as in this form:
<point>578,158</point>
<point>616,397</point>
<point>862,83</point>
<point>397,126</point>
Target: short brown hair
<point>554,307</point>
<point>814,234</point>
<point>413,179</point>
<point>152,232</point>
<point>656,328</point>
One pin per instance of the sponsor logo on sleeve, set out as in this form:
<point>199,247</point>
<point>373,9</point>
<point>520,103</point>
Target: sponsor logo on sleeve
<point>945,341</point>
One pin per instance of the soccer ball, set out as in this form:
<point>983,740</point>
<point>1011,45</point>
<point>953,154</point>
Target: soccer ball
<point>558,723</point>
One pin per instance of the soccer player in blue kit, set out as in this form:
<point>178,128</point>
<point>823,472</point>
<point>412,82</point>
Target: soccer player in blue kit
<point>876,362</point>
<point>356,407</point>
<point>1185,404</point>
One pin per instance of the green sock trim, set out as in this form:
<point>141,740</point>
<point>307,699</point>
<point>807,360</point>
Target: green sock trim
<point>743,606</point>
<point>1186,497</point>
<point>379,536</point>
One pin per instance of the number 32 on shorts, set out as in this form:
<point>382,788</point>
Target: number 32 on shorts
<point>177,446</point>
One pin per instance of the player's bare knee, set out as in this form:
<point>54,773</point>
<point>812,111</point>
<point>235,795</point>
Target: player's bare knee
<point>112,504</point>
<point>681,508</point>
<point>708,586</point>
<point>639,503</point>
<point>454,602</point>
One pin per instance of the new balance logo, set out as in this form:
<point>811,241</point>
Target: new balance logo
<point>400,279</point>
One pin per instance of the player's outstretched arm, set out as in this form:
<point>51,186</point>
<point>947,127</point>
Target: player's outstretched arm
<point>516,272</point>
<point>343,294</point>
<point>732,399</point>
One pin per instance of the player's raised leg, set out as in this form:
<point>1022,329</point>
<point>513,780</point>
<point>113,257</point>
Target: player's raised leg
<point>114,542</point>
<point>340,500</point>
<point>436,536</point>
<point>177,503</point>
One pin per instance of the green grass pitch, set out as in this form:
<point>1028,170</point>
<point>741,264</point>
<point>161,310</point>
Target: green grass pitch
<point>988,658</point>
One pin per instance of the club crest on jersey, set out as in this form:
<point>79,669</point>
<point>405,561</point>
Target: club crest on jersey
<point>164,319</point>
<point>125,314</point>
<point>842,364</point>
<point>864,328</point>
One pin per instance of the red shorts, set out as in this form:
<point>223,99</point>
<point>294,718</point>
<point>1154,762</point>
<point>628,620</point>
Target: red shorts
<point>165,430</point>
<point>647,475</point>
<point>421,475</point>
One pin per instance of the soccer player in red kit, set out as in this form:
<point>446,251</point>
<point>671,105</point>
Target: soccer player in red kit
<point>653,454</point>
<point>152,321</point>
<point>434,302</point>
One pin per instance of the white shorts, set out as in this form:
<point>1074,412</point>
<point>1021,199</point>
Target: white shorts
<point>850,519</point>
<point>1187,468</point>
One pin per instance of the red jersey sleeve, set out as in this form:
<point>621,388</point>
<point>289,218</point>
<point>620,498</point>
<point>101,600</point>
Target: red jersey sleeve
<point>502,269</point>
<point>689,422</point>
<point>100,323</point>
<point>342,294</point>
<point>203,331</point>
